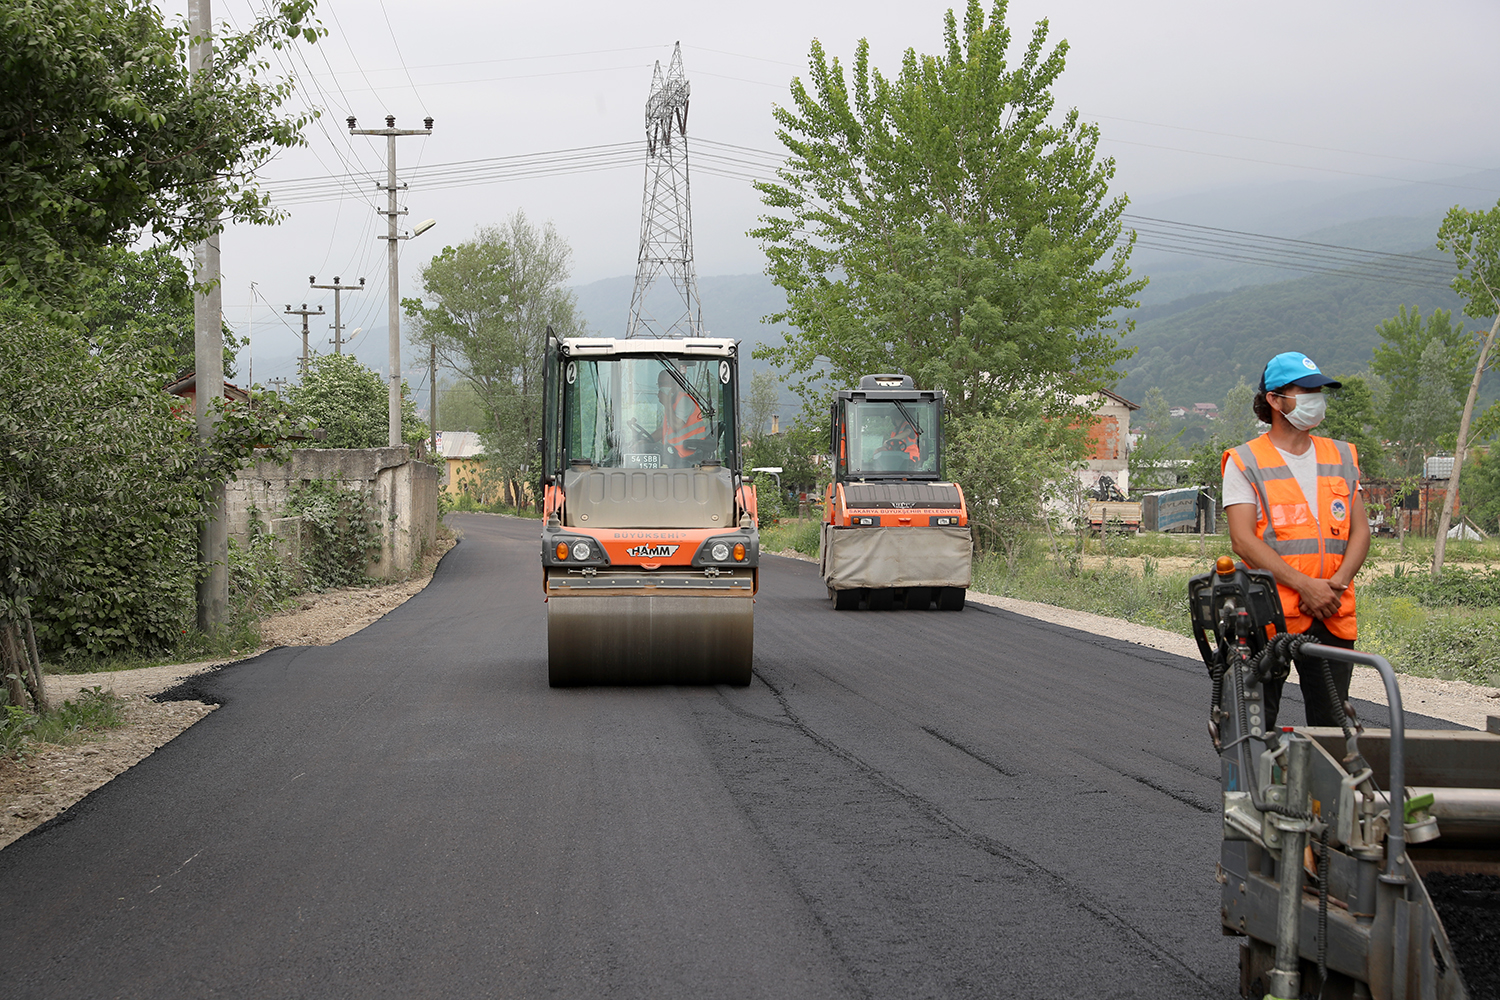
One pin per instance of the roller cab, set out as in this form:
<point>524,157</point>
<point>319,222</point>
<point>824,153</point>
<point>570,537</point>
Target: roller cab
<point>894,534</point>
<point>650,552</point>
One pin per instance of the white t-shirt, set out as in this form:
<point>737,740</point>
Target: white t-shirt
<point>1304,467</point>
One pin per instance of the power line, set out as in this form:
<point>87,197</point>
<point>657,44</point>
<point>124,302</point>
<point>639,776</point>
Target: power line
<point>1284,142</point>
<point>1298,166</point>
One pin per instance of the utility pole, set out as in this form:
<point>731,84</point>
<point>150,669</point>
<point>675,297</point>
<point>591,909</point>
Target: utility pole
<point>432,395</point>
<point>208,363</point>
<point>338,323</point>
<point>305,312</point>
<point>393,316</point>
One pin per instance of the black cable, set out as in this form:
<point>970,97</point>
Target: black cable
<point>1322,909</point>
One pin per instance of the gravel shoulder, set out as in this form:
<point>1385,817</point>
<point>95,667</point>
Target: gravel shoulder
<point>52,778</point>
<point>1466,704</point>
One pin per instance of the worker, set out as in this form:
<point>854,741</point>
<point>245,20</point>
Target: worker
<point>682,422</point>
<point>1293,505</point>
<point>903,437</point>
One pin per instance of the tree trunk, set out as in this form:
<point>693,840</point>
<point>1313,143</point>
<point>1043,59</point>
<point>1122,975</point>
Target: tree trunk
<point>10,666</point>
<point>19,672</point>
<point>1451,494</point>
<point>34,665</point>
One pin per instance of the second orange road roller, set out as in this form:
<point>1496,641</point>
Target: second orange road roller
<point>894,534</point>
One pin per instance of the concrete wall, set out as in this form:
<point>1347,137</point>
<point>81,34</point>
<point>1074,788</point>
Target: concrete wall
<point>403,494</point>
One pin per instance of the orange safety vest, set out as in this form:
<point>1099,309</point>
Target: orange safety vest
<point>905,440</point>
<point>1315,547</point>
<point>682,422</point>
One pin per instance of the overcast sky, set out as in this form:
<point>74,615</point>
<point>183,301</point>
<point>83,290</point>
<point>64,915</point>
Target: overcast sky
<point>1191,96</point>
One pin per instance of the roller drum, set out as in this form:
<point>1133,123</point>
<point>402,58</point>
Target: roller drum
<point>638,639</point>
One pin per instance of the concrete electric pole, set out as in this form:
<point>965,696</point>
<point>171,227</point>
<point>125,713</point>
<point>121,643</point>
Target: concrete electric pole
<point>393,320</point>
<point>208,364</point>
<point>432,395</point>
<point>338,323</point>
<point>305,312</point>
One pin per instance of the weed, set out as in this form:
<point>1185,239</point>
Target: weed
<point>94,710</point>
<point>799,533</point>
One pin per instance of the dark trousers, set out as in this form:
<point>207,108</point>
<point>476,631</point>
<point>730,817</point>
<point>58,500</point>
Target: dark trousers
<point>1320,711</point>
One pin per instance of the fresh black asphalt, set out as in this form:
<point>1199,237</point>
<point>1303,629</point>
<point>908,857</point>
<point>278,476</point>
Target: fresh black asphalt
<point>901,805</point>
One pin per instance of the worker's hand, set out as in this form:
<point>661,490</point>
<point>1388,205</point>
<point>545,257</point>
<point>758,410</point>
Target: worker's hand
<point>1320,598</point>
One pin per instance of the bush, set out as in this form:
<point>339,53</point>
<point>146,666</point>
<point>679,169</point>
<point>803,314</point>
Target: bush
<point>339,536</point>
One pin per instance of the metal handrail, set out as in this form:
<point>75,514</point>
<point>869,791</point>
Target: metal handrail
<point>1397,835</point>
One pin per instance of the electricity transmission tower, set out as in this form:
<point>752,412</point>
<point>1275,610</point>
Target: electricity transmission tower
<point>666,212</point>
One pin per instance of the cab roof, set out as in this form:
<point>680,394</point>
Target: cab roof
<point>603,346</point>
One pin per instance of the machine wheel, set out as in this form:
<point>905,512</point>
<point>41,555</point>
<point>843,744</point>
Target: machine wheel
<point>846,600</point>
<point>951,598</point>
<point>882,598</point>
<point>918,598</point>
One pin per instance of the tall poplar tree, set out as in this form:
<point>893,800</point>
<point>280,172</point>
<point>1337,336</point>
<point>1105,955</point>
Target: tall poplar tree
<point>947,224</point>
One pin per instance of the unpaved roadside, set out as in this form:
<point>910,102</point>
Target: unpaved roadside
<point>1466,704</point>
<point>52,778</point>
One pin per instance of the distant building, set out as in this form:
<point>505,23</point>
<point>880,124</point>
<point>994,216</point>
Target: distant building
<point>1109,441</point>
<point>1178,412</point>
<point>1208,410</point>
<point>463,456</point>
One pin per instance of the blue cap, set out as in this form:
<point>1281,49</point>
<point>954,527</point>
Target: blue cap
<point>1293,368</point>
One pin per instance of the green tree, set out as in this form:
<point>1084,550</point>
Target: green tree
<point>1481,491</point>
<point>102,484</point>
<point>946,224</point>
<point>106,137</point>
<point>351,404</point>
<point>1351,417</point>
<point>459,408</point>
<point>1474,240</point>
<point>1422,385</point>
<point>1237,422</point>
<point>1012,463</point>
<point>492,300</point>
<point>1159,445</point>
<point>761,404</point>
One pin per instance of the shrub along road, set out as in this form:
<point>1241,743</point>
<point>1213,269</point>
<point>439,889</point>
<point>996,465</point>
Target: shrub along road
<point>900,805</point>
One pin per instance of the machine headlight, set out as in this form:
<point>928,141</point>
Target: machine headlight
<point>720,552</point>
<point>581,550</point>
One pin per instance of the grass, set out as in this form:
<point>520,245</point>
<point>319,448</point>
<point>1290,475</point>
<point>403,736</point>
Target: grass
<point>1149,598</point>
<point>73,721</point>
<point>465,503</point>
<point>798,533</point>
<point>241,633</point>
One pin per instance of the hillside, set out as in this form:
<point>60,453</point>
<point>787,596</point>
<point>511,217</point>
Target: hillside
<point>1196,349</point>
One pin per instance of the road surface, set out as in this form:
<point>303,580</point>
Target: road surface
<point>900,805</point>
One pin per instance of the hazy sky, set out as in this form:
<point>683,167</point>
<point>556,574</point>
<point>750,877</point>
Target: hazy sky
<point>1190,95</point>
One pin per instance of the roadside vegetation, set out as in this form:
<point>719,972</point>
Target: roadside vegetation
<point>1448,628</point>
<point>94,711</point>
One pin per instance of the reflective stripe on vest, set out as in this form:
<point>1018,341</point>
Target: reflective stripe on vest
<point>1314,545</point>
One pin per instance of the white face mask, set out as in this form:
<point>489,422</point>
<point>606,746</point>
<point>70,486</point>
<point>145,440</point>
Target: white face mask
<point>1311,408</point>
